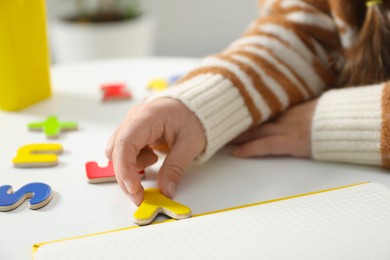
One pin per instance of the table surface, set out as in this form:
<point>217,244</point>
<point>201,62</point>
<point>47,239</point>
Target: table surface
<point>80,208</point>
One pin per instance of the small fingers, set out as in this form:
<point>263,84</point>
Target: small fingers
<point>135,198</point>
<point>177,160</point>
<point>146,158</point>
<point>110,145</point>
<point>129,153</point>
<point>126,170</point>
<point>162,119</point>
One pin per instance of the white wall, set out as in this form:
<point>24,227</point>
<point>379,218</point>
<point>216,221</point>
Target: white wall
<point>194,27</point>
<point>199,27</point>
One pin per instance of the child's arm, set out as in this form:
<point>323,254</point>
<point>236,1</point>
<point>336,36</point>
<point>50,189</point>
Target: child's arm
<point>345,125</point>
<point>282,59</point>
<point>288,134</point>
<point>353,125</point>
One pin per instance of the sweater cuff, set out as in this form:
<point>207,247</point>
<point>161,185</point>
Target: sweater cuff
<point>218,105</point>
<point>347,126</point>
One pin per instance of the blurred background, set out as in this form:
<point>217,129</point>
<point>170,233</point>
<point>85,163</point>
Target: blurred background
<point>92,29</point>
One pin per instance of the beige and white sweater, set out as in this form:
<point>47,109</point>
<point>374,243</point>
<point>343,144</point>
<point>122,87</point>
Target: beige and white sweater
<point>287,56</point>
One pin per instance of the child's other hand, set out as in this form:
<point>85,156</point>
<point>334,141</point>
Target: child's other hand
<point>162,120</point>
<point>289,134</point>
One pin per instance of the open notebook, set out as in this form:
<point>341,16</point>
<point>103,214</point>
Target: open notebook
<point>345,223</point>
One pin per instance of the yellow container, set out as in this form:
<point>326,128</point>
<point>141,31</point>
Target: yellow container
<point>24,55</point>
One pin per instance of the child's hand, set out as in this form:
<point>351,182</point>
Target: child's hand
<point>163,120</point>
<point>289,134</point>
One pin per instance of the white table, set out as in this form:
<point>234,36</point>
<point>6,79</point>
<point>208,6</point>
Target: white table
<point>80,208</point>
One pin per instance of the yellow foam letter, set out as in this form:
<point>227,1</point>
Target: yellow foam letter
<point>155,203</point>
<point>37,155</point>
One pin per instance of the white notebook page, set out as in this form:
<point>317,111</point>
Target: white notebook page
<point>349,223</point>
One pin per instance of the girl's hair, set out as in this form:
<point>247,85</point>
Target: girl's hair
<point>368,61</point>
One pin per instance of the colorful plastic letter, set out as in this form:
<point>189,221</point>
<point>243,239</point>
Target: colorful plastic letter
<point>174,78</point>
<point>155,203</point>
<point>116,91</point>
<point>158,85</point>
<point>40,194</point>
<point>52,127</point>
<point>37,155</point>
<point>97,174</point>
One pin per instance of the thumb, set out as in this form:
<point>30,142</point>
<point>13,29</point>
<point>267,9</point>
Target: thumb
<point>174,165</point>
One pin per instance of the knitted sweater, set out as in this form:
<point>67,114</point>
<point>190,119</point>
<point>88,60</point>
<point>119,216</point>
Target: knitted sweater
<point>290,54</point>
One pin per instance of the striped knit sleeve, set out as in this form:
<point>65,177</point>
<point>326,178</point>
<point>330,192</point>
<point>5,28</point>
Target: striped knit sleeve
<point>282,59</point>
<point>353,125</point>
